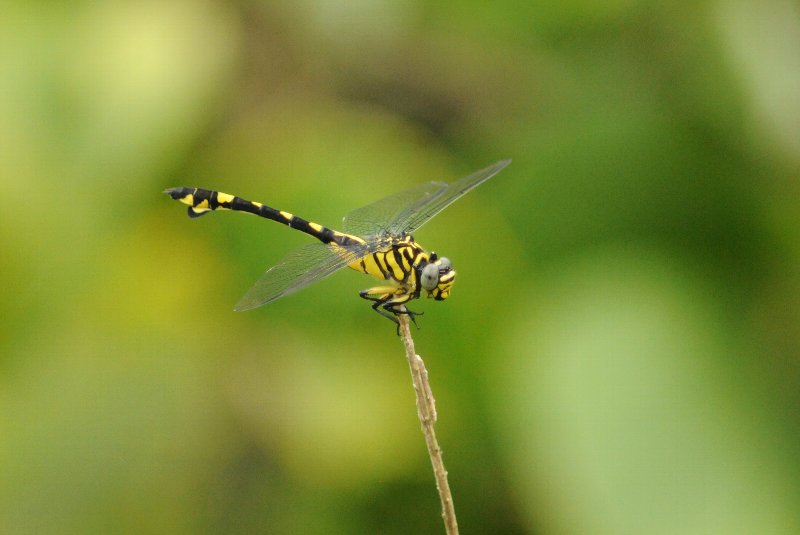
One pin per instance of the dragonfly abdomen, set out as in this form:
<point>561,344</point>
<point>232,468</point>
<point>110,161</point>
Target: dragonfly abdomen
<point>201,201</point>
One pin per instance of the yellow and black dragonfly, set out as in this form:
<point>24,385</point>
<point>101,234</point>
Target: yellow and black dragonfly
<point>376,240</point>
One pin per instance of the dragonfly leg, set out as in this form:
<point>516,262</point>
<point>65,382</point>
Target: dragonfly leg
<point>389,302</point>
<point>397,309</point>
<point>379,296</point>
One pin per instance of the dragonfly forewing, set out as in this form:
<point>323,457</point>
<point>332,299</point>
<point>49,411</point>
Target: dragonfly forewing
<point>425,208</point>
<point>375,219</point>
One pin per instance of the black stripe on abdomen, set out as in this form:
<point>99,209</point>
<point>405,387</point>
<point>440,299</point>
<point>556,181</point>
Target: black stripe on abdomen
<point>201,201</point>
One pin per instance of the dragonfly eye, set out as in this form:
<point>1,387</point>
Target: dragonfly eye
<point>445,265</point>
<point>430,276</point>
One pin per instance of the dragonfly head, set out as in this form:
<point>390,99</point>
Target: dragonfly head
<point>437,277</point>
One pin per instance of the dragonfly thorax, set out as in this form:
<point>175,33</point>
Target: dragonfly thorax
<point>409,268</point>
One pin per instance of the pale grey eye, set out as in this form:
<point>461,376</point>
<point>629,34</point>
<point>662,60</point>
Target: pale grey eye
<point>444,264</point>
<point>430,277</point>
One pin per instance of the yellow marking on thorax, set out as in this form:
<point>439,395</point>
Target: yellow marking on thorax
<point>406,263</point>
<point>391,262</point>
<point>370,267</point>
<point>382,266</point>
<point>202,205</point>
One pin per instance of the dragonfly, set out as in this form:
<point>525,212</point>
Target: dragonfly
<point>376,240</point>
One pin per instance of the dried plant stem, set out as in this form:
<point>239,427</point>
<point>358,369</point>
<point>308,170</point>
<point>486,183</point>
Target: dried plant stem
<point>426,410</point>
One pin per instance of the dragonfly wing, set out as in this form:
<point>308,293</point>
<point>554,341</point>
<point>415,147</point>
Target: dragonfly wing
<point>301,267</point>
<point>419,212</point>
<point>374,219</point>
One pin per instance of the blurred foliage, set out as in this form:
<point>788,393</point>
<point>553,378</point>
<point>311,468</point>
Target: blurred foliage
<point>621,350</point>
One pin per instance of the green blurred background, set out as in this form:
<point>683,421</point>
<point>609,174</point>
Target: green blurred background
<point>620,352</point>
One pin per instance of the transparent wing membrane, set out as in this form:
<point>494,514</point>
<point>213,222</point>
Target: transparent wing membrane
<point>405,212</point>
<point>301,267</point>
<point>425,208</point>
<point>374,219</point>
